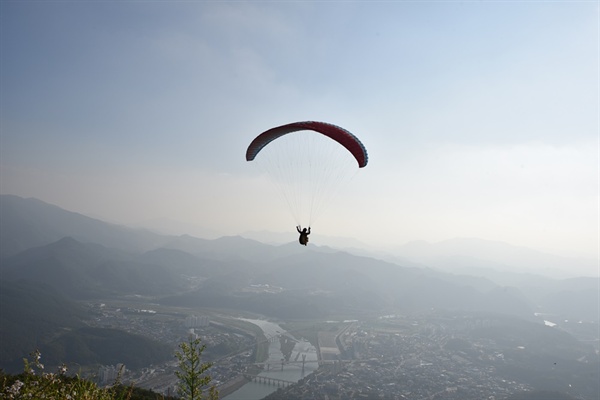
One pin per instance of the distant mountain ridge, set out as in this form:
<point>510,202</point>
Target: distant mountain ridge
<point>89,270</point>
<point>469,254</point>
<point>462,255</point>
<point>30,222</point>
<point>85,257</point>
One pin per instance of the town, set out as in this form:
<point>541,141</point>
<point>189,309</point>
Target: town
<point>425,356</point>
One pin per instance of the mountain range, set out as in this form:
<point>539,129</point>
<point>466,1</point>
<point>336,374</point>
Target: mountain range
<point>61,257</point>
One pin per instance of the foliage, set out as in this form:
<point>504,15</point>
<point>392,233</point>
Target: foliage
<point>34,383</point>
<point>136,393</point>
<point>191,374</point>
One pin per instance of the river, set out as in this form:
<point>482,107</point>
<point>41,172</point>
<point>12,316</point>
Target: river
<point>291,372</point>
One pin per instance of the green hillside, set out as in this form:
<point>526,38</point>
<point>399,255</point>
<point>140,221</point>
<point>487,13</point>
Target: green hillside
<point>34,316</point>
<point>105,346</point>
<point>31,314</point>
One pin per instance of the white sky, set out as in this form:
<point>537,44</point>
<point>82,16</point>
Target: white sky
<point>480,118</point>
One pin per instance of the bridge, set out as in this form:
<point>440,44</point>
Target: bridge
<point>268,381</point>
<point>268,364</point>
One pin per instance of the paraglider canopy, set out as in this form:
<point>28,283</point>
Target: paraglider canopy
<point>340,135</point>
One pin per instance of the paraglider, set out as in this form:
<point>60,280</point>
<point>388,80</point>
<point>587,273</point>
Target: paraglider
<point>303,239</point>
<point>307,161</point>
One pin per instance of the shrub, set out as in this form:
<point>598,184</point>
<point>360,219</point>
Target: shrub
<point>193,379</point>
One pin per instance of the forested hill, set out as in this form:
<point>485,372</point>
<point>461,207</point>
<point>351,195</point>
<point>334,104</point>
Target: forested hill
<point>35,316</point>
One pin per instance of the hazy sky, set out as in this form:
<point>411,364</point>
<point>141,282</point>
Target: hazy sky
<point>480,118</point>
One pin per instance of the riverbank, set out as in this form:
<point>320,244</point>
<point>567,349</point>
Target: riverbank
<point>231,386</point>
<point>294,360</point>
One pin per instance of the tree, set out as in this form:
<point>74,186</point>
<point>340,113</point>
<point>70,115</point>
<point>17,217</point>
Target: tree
<point>191,374</point>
